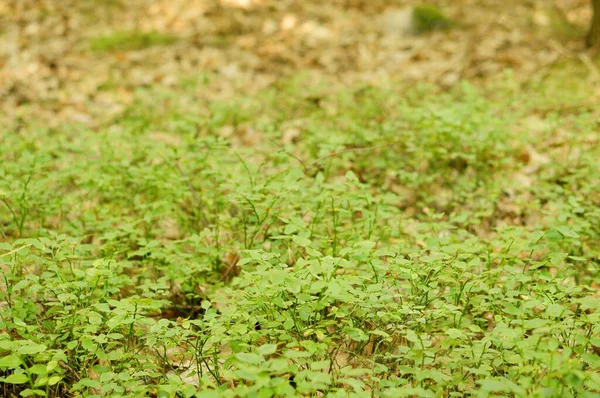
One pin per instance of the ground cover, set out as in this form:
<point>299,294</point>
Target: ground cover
<point>414,244</point>
<point>316,233</point>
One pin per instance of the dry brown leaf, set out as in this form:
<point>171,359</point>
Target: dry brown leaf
<point>290,135</point>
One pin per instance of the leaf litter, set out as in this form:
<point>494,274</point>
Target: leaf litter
<point>58,63</point>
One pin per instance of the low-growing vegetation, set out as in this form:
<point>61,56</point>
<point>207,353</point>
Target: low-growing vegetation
<point>127,41</point>
<point>305,242</point>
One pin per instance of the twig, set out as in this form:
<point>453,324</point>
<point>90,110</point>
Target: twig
<point>14,250</point>
<point>70,369</point>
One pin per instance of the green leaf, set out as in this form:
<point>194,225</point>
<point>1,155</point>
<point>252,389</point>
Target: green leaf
<point>12,361</point>
<point>296,354</point>
<point>189,391</point>
<point>88,345</point>
<point>356,334</point>
<point>8,345</point>
<point>351,177</point>
<point>502,385</point>
<point>354,372</point>
<point>555,310</point>
<point>318,365</point>
<point>20,378</point>
<point>54,380</point>
<point>278,365</point>
<point>556,259</point>
<point>91,383</point>
<point>554,236</point>
<point>356,385</point>
<point>94,318</point>
<point>535,323</point>
<point>434,375</point>
<point>102,307</point>
<point>591,359</point>
<point>267,349</point>
<point>51,365</point>
<point>290,229</point>
<point>29,392</point>
<point>301,241</point>
<point>31,348</point>
<point>37,369</point>
<point>456,334</point>
<point>208,394</point>
<point>588,303</point>
<point>566,231</point>
<point>491,385</point>
<point>41,381</point>
<point>20,285</point>
<point>249,357</point>
<point>411,336</point>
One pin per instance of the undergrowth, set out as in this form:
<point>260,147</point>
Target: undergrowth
<point>127,41</point>
<point>361,242</point>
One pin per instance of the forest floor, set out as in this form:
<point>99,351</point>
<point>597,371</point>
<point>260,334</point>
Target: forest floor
<point>257,198</point>
<point>82,61</point>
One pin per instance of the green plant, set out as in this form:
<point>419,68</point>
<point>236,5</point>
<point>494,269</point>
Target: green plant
<point>393,246</point>
<point>127,41</point>
<point>427,18</point>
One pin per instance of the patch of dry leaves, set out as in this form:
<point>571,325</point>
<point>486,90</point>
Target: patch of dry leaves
<point>49,72</point>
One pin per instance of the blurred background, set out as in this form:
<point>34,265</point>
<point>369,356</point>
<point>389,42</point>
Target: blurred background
<point>83,60</point>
